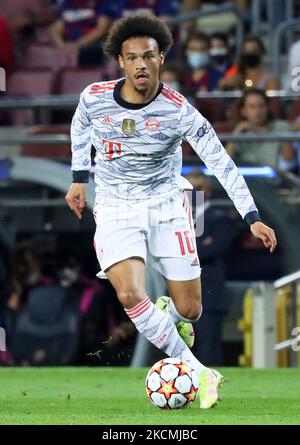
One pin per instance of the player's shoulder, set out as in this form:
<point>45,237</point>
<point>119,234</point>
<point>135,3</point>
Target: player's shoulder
<point>98,88</point>
<point>173,97</point>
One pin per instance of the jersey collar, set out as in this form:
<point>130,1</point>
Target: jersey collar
<point>129,105</point>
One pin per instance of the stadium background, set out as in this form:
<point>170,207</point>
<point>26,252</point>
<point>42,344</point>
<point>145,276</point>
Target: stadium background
<point>52,308</point>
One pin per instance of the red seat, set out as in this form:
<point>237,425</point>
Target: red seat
<point>48,150</point>
<point>45,56</point>
<point>73,81</point>
<point>111,69</point>
<point>223,127</point>
<point>212,109</point>
<point>276,107</point>
<point>294,110</point>
<point>28,83</point>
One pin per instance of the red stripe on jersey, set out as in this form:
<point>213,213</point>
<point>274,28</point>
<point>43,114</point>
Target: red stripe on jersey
<point>103,87</point>
<point>173,95</point>
<point>101,90</point>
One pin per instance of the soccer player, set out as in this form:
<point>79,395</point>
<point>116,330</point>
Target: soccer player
<point>136,125</point>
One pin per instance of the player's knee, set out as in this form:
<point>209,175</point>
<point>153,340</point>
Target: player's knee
<point>191,312</point>
<point>130,297</point>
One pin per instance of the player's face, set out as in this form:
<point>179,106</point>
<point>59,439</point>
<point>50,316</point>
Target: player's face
<point>141,60</point>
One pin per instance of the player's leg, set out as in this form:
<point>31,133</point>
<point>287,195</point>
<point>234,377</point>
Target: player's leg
<point>185,304</point>
<point>183,312</point>
<point>128,279</point>
<point>173,249</point>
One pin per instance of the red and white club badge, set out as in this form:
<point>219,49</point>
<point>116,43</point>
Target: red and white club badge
<point>152,124</point>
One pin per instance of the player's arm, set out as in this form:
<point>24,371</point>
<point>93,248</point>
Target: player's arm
<point>81,158</point>
<point>202,137</point>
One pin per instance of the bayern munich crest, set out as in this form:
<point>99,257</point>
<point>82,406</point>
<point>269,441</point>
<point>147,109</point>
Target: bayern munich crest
<point>152,124</point>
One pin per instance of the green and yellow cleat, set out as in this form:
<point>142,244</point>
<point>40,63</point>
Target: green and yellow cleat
<point>185,330</point>
<point>210,381</point>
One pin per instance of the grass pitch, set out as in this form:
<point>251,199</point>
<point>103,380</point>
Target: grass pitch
<point>110,396</point>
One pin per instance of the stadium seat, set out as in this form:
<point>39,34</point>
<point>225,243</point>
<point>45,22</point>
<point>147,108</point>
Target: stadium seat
<point>294,110</point>
<point>44,56</point>
<point>28,83</point>
<point>212,109</point>
<point>73,81</point>
<point>60,151</point>
<point>276,108</point>
<point>232,112</point>
<point>111,69</point>
<point>223,127</point>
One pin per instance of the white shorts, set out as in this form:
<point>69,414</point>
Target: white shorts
<point>161,232</point>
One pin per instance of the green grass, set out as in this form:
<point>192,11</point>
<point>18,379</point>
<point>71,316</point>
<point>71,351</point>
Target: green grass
<point>43,396</point>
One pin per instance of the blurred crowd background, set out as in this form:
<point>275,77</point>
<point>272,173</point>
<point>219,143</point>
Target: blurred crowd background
<point>52,307</point>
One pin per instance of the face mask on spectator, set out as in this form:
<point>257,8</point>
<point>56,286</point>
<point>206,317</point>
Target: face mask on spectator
<point>175,85</point>
<point>68,276</point>
<point>251,60</point>
<point>197,60</point>
<point>219,56</point>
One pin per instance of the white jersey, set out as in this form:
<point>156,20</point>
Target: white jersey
<point>138,146</point>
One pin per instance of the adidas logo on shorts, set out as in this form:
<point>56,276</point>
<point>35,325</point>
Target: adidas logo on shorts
<point>195,262</point>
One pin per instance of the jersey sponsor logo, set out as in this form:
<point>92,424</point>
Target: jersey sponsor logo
<point>202,131</point>
<point>112,149</point>
<point>128,127</point>
<point>152,124</point>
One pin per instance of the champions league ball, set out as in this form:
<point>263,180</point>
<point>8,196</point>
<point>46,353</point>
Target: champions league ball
<point>172,384</point>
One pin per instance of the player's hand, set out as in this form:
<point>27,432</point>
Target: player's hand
<point>265,233</point>
<point>76,198</point>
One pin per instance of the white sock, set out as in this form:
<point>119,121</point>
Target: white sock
<point>160,330</point>
<point>176,316</point>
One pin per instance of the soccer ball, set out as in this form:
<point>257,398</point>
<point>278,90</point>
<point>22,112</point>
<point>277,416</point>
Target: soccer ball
<point>172,384</point>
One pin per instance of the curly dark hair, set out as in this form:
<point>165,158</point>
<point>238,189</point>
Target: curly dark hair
<point>142,25</point>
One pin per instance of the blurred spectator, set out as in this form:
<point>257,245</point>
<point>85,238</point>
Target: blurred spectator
<point>255,118</point>
<point>81,289</point>
<point>221,59</point>
<point>107,329</point>
<point>7,50</point>
<point>199,73</point>
<point>123,8</point>
<point>25,19</point>
<point>171,74</point>
<point>104,324</point>
<point>5,276</point>
<point>28,274</point>
<point>212,246</point>
<point>79,27</point>
<point>251,73</point>
<point>195,5</point>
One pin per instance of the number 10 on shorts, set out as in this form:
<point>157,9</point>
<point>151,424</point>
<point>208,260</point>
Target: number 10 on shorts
<point>186,242</point>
